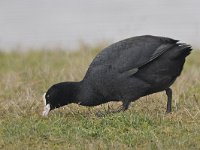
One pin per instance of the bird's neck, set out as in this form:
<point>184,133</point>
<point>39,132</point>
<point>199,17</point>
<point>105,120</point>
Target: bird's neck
<point>75,89</point>
<point>88,95</point>
<point>82,93</point>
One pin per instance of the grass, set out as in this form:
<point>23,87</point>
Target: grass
<point>25,76</point>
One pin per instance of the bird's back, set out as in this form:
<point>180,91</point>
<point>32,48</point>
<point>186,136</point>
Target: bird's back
<point>132,52</point>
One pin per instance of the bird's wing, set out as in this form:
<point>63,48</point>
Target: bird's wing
<point>129,55</point>
<point>159,51</point>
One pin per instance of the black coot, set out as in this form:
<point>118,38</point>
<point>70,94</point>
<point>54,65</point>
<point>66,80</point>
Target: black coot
<point>124,71</point>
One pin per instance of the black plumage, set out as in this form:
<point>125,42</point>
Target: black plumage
<point>125,71</point>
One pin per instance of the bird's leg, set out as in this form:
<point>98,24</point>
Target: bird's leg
<point>123,107</point>
<point>169,100</point>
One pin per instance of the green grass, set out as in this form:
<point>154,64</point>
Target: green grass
<point>25,76</point>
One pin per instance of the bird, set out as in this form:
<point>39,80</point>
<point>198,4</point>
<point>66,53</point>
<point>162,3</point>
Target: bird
<point>124,71</point>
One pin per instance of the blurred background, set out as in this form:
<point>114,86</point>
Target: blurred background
<point>67,23</point>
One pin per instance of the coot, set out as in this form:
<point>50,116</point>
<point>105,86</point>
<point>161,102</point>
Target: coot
<point>124,71</point>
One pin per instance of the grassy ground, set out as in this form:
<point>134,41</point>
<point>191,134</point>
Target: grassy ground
<point>25,76</point>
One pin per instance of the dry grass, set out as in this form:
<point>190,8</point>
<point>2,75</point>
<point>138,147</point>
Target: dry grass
<point>25,76</point>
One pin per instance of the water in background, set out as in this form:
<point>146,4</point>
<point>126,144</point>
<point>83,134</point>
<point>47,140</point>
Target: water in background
<point>63,23</point>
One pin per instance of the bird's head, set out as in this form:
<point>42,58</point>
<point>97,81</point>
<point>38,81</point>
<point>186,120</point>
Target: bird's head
<point>58,95</point>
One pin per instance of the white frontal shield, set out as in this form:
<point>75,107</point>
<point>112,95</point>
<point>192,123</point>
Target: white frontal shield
<point>46,107</point>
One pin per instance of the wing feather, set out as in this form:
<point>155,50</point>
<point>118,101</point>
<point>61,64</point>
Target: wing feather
<point>158,52</point>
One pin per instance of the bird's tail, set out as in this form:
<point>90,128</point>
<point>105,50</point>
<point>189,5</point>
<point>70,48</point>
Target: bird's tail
<point>182,50</point>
